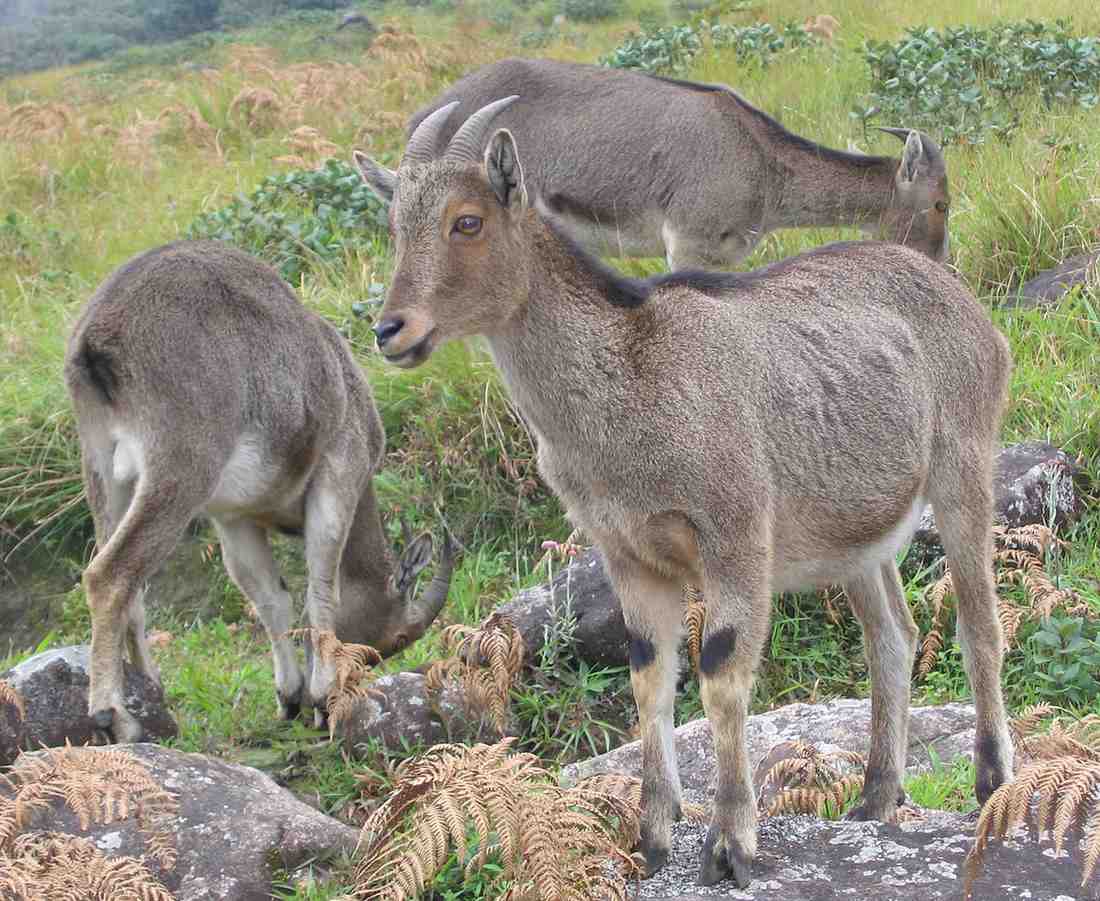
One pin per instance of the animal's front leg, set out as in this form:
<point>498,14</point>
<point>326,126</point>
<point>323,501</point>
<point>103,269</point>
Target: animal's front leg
<point>737,615</point>
<point>651,607</point>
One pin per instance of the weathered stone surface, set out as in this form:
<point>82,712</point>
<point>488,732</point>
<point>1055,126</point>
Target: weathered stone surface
<point>806,859</point>
<point>582,588</point>
<point>946,730</point>
<point>54,686</point>
<point>11,729</point>
<point>1033,482</point>
<point>400,712</point>
<point>1048,287</point>
<point>234,825</point>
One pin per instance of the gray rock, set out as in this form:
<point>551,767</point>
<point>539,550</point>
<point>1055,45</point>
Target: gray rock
<point>1048,287</point>
<point>807,859</point>
<point>400,713</point>
<point>581,587</point>
<point>234,825</point>
<point>54,687</point>
<point>1033,482</point>
<point>356,18</point>
<point>947,731</point>
<point>11,731</point>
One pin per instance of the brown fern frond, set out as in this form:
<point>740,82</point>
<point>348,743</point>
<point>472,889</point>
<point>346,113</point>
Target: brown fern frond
<point>9,695</point>
<point>354,665</point>
<point>807,779</point>
<point>695,620</point>
<point>53,865</point>
<point>553,843</point>
<point>798,800</point>
<point>932,643</point>
<point>98,785</point>
<point>1027,721</point>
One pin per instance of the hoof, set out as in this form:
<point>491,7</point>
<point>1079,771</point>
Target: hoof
<point>723,858</point>
<point>103,719</point>
<point>655,859</point>
<point>864,811</point>
<point>117,725</point>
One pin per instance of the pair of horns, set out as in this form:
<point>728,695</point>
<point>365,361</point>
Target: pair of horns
<point>468,142</point>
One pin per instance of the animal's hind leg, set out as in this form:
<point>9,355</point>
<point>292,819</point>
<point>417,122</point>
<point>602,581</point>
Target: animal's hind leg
<point>252,568</point>
<point>963,504</point>
<point>140,655</point>
<point>652,610</point>
<point>890,640</point>
<point>157,516</point>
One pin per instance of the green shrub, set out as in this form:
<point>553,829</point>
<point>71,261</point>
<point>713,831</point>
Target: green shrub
<point>962,83</point>
<point>656,49</point>
<point>591,10</point>
<point>299,219</point>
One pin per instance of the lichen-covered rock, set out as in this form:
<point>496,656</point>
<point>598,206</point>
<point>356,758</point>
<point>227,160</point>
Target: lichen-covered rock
<point>233,827</point>
<point>1033,482</point>
<point>54,687</point>
<point>581,588</point>
<point>946,730</point>
<point>1048,287</point>
<point>807,859</point>
<point>400,713</point>
<point>11,723</point>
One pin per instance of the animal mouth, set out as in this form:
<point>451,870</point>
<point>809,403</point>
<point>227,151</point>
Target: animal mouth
<point>415,355</point>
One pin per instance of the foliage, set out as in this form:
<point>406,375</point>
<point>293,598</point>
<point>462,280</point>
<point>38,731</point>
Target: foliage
<point>672,49</point>
<point>591,10</point>
<point>300,219</point>
<point>808,780</point>
<point>965,81</point>
<point>1055,790</point>
<point>1064,653</point>
<point>552,843</point>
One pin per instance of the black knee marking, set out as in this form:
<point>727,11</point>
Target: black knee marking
<point>642,651</point>
<point>989,772</point>
<point>718,647</point>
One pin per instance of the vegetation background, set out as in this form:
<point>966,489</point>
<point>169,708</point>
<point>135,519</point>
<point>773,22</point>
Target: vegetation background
<point>242,130</point>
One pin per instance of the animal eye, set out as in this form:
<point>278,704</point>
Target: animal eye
<point>468,225</point>
<point>941,207</point>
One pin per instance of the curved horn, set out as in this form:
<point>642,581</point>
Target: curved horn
<point>931,149</point>
<point>902,134</point>
<point>469,141</point>
<point>426,608</point>
<point>421,146</point>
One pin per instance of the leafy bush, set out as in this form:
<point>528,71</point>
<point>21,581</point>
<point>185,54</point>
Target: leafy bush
<point>299,219</point>
<point>964,82</point>
<point>591,10</point>
<point>672,49</point>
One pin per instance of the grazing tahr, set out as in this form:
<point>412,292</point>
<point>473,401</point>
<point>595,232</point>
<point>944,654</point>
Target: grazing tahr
<point>201,385</point>
<point>636,165</point>
<point>748,433</point>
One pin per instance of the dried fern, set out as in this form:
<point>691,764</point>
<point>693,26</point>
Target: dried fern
<point>809,780</point>
<point>553,843</point>
<point>52,865</point>
<point>695,618</point>
<point>98,785</point>
<point>354,665</point>
<point>486,661</point>
<point>11,697</point>
<point>1019,557</point>
<point>1055,791</point>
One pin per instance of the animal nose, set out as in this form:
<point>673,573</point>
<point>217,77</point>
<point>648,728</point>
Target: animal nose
<point>386,328</point>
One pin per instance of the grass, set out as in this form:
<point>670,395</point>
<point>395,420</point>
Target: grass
<point>148,143</point>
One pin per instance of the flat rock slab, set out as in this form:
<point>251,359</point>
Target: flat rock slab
<point>54,686</point>
<point>946,730</point>
<point>234,825</point>
<point>807,859</point>
<point>1050,286</point>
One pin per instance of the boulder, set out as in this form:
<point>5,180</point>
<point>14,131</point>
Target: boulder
<point>1033,482</point>
<point>946,731</point>
<point>581,588</point>
<point>11,724</point>
<point>806,859</point>
<point>1048,287</point>
<point>54,687</point>
<point>234,825</point>
<point>400,713</point>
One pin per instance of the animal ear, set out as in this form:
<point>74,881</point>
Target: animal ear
<point>911,157</point>
<point>414,558</point>
<point>379,179</point>
<point>504,170</point>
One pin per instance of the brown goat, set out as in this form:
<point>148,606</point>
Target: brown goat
<point>201,385</point>
<point>748,433</point>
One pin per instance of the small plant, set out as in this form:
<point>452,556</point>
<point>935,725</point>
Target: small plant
<point>1064,657</point>
<point>300,219</point>
<point>1055,790</point>
<point>551,843</point>
<point>807,780</point>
